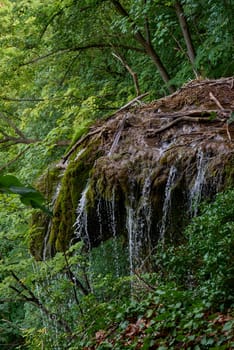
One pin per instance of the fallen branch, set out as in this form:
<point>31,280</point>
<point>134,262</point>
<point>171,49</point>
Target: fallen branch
<point>194,112</point>
<point>130,103</point>
<point>178,120</point>
<point>213,98</point>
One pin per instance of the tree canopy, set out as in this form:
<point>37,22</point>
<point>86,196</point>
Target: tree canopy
<point>64,65</point>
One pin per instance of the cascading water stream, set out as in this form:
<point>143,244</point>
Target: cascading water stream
<point>167,203</point>
<point>81,230</point>
<point>196,190</point>
<point>138,224</point>
<point>112,224</point>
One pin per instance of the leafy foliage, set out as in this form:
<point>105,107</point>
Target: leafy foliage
<point>187,302</point>
<point>9,184</point>
<point>59,75</point>
<point>205,261</point>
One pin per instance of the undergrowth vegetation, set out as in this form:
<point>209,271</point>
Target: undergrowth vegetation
<point>186,302</point>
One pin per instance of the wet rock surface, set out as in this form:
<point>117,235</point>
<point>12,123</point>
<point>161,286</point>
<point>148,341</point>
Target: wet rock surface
<point>143,172</point>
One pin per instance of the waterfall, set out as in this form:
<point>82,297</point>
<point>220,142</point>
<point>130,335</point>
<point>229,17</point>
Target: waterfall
<point>167,203</point>
<point>138,224</point>
<point>112,224</point>
<point>81,223</point>
<point>195,193</point>
<point>131,238</point>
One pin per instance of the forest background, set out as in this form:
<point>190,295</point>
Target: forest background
<point>64,65</point>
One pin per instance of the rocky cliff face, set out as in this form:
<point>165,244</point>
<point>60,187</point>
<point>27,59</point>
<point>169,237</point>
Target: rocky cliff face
<point>142,173</point>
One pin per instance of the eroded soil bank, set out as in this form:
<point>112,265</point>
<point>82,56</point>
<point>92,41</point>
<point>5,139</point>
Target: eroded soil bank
<point>143,172</point>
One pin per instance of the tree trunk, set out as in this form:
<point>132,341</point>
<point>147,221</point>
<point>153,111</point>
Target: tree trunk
<point>146,45</point>
<point>185,31</point>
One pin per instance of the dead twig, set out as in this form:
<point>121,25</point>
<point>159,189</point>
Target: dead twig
<point>129,69</point>
<point>213,98</point>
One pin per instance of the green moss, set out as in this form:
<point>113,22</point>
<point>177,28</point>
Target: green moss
<point>38,229</point>
<point>73,183</point>
<point>46,184</point>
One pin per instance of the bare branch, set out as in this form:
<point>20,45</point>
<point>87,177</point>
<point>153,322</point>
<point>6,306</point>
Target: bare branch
<point>213,98</point>
<point>132,73</point>
<point>22,99</point>
<point>12,125</point>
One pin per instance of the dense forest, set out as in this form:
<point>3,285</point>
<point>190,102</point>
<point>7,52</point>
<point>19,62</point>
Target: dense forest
<point>77,78</point>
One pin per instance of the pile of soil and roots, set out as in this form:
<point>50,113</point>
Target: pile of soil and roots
<point>203,108</point>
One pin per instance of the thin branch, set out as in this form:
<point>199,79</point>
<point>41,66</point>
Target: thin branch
<point>216,101</point>
<point>13,140</point>
<point>58,13</point>
<point>34,300</point>
<point>49,22</point>
<point>193,113</point>
<point>132,73</point>
<point>22,99</point>
<point>12,125</point>
<point>149,49</point>
<point>147,284</point>
<point>10,140</point>
<point>75,281</point>
<point>80,48</point>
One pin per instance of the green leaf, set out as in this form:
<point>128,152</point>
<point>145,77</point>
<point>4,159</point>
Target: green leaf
<point>29,196</point>
<point>7,181</point>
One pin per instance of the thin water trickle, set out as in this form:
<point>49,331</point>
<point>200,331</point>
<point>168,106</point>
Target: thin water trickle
<point>79,154</point>
<point>196,190</point>
<point>112,223</point>
<point>81,223</point>
<point>138,224</point>
<point>167,203</point>
<point>131,237</point>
